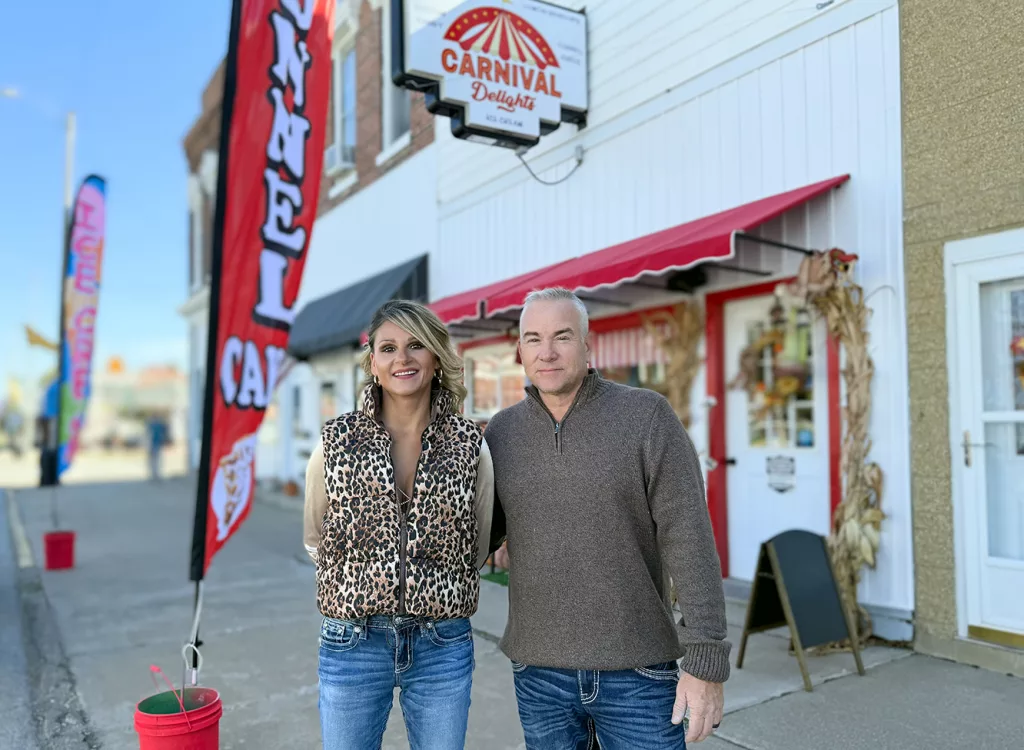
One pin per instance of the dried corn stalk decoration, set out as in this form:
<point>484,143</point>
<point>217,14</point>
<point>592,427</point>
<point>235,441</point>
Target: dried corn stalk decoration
<point>823,282</point>
<point>678,333</point>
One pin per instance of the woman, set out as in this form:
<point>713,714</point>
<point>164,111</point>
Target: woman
<point>397,518</point>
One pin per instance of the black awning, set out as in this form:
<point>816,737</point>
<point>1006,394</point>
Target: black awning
<point>339,319</point>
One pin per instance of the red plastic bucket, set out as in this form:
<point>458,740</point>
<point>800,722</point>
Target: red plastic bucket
<point>161,725</point>
<point>59,550</point>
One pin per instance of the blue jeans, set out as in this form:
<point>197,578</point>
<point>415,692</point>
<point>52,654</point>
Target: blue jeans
<point>629,709</point>
<point>363,661</point>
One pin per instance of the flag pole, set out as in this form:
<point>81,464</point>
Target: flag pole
<point>50,465</point>
<point>199,528</point>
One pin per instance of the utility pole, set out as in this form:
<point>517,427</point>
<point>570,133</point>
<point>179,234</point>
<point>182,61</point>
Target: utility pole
<point>69,166</point>
<point>48,459</point>
<point>50,463</point>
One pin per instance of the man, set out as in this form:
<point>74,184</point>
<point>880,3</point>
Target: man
<point>157,434</point>
<point>601,492</point>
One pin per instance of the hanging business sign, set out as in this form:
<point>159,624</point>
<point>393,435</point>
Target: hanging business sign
<point>506,72</point>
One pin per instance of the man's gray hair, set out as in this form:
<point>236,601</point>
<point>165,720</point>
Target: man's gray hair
<point>555,294</point>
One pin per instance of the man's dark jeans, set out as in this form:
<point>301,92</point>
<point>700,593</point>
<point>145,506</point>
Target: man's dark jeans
<point>630,709</point>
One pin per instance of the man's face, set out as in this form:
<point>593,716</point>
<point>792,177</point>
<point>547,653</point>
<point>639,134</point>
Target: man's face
<point>552,347</point>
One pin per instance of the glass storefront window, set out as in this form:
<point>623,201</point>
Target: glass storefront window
<point>297,430</point>
<point>328,403</point>
<point>781,412</point>
<point>482,379</point>
<point>357,385</point>
<point>643,375</point>
<point>495,382</point>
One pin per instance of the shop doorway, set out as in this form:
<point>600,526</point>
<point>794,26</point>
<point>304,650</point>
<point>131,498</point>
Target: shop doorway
<point>985,308</point>
<point>774,454</point>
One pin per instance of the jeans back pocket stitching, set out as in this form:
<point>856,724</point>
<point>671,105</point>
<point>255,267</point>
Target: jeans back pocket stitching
<point>657,675</point>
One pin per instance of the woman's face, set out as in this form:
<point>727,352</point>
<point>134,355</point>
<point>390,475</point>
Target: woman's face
<point>404,366</point>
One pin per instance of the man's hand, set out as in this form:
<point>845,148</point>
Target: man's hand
<point>501,556</point>
<point>705,701</point>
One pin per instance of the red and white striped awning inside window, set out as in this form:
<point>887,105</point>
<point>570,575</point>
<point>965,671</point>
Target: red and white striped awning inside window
<point>625,348</point>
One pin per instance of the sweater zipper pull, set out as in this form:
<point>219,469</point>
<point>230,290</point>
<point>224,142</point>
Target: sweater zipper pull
<point>558,442</point>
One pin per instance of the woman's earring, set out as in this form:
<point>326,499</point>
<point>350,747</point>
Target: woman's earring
<point>376,380</point>
<point>440,374</point>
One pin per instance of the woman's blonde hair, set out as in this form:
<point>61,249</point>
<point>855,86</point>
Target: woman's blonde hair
<point>423,324</point>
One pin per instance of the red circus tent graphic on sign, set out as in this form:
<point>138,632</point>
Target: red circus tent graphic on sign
<point>497,32</point>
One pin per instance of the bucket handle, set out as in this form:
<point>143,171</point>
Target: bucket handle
<point>154,671</point>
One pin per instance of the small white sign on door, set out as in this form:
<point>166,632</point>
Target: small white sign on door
<point>781,472</point>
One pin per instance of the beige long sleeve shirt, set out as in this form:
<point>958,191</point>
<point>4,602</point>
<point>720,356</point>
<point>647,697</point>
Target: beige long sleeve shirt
<point>316,503</point>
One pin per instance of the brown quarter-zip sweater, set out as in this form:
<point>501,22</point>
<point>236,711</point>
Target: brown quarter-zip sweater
<point>598,509</point>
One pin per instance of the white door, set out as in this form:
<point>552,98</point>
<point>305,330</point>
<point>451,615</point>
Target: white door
<point>777,446</point>
<point>985,307</point>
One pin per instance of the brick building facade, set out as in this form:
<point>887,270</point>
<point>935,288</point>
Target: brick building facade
<point>360,32</point>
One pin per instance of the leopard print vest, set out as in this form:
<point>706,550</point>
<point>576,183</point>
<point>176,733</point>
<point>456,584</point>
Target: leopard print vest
<point>361,568</point>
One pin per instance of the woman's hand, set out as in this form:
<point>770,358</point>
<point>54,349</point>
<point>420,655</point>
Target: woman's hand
<point>501,557</point>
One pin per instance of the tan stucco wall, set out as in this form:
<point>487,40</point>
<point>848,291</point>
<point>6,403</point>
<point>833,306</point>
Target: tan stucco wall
<point>963,157</point>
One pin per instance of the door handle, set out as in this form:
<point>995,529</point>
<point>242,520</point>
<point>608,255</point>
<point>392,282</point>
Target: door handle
<point>967,444</point>
<point>711,464</point>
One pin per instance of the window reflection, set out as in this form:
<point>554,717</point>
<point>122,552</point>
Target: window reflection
<point>495,382</point>
<point>781,412</point>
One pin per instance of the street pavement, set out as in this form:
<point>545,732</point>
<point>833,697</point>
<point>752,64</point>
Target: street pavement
<point>127,604</point>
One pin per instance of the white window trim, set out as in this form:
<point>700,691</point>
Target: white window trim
<point>981,248</point>
<point>346,22</point>
<point>337,66</point>
<point>394,149</point>
<point>346,29</point>
<point>208,171</point>
<point>195,207</point>
<point>390,141</point>
<point>343,183</point>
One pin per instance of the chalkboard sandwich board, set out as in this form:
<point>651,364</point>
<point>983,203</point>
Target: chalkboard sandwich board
<point>795,585</point>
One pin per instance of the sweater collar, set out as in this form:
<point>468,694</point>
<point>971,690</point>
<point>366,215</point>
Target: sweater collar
<point>592,385</point>
<point>441,401</point>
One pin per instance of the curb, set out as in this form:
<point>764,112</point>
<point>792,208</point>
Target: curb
<point>58,715</point>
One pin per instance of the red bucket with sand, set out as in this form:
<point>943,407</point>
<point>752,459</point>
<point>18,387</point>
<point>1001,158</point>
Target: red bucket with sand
<point>186,719</point>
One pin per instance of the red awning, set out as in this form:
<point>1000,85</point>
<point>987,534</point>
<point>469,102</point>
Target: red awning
<point>468,305</point>
<point>711,238</point>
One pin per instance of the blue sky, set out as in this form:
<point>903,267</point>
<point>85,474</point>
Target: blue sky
<point>133,73</point>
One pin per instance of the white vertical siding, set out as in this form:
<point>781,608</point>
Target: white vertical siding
<point>827,104</point>
<point>381,226</point>
<point>639,50</point>
<point>387,223</point>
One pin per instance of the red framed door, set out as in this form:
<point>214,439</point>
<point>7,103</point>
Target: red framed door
<point>717,372</point>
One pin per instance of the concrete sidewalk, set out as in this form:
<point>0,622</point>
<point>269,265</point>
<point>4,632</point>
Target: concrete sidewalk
<point>17,729</point>
<point>128,604</point>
